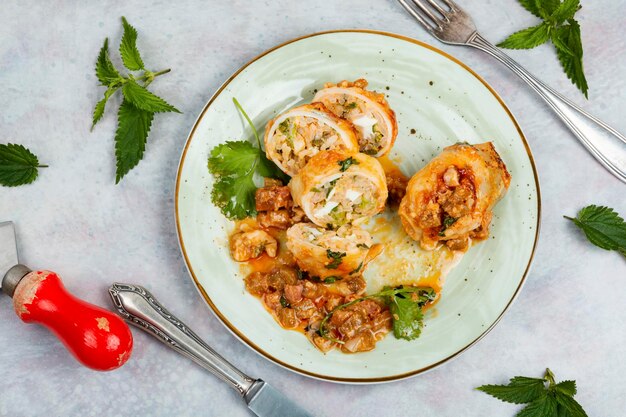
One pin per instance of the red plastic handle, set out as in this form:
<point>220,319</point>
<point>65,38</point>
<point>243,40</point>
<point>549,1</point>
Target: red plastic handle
<point>96,337</point>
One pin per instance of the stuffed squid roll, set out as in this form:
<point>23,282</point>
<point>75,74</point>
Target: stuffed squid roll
<point>338,187</point>
<point>325,253</point>
<point>450,200</point>
<point>368,111</point>
<point>293,137</point>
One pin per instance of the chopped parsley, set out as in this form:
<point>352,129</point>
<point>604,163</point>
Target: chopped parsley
<point>346,163</point>
<point>447,222</point>
<point>336,259</point>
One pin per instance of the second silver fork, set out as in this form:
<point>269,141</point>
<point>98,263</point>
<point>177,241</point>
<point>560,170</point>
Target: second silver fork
<point>446,21</point>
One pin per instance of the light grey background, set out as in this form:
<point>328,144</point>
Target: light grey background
<point>570,315</point>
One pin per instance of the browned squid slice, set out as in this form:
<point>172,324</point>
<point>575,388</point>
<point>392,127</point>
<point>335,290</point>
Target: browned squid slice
<point>450,200</point>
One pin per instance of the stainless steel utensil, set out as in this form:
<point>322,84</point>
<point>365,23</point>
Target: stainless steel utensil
<point>446,21</point>
<point>137,306</point>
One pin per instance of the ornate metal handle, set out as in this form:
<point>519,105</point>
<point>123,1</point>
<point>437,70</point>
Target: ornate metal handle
<point>606,144</point>
<point>136,305</point>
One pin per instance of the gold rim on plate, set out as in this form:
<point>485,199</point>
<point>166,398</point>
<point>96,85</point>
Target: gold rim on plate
<point>260,351</point>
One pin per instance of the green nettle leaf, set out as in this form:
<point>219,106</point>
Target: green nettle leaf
<point>531,6</point>
<point>98,111</point>
<point>553,400</point>
<point>18,165</point>
<point>565,11</point>
<point>527,38</point>
<point>560,27</point>
<point>544,406</point>
<point>139,105</point>
<point>128,48</point>
<point>603,227</point>
<point>105,70</point>
<point>130,137</point>
<point>143,99</point>
<point>572,63</point>
<point>520,390</point>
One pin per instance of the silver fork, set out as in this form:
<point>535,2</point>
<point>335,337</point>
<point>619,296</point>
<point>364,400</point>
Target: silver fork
<point>446,21</point>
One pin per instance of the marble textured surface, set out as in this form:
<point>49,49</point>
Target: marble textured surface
<point>570,315</point>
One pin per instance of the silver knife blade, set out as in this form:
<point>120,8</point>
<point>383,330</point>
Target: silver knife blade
<point>8,248</point>
<point>265,401</point>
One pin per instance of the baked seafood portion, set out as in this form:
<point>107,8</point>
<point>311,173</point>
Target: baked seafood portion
<point>329,253</point>
<point>293,137</point>
<point>368,111</point>
<point>337,188</point>
<point>450,200</point>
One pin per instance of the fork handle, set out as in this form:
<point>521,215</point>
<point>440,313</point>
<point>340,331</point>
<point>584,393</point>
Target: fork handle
<point>606,144</point>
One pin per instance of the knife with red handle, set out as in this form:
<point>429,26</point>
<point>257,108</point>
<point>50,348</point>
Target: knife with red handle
<point>96,337</point>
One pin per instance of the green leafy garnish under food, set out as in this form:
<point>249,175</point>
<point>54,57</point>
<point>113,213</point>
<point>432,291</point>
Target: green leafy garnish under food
<point>18,165</point>
<point>603,227</point>
<point>551,400</point>
<point>558,26</point>
<point>135,114</point>
<point>346,163</point>
<point>233,165</point>
<point>405,304</point>
<point>331,279</point>
<point>336,259</point>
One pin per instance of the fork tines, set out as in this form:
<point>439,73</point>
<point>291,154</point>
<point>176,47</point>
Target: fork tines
<point>430,13</point>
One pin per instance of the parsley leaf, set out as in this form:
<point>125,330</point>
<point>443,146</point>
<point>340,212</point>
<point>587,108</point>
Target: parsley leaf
<point>545,398</point>
<point>560,27</point>
<point>527,38</point>
<point>233,165</point>
<point>133,125</point>
<point>603,227</point>
<point>135,114</point>
<point>404,301</point>
<point>346,163</point>
<point>143,99</point>
<point>18,165</point>
<point>128,48</point>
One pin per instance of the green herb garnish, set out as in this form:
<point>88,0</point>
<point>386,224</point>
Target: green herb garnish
<point>551,400</point>
<point>135,114</point>
<point>447,222</point>
<point>288,128</point>
<point>561,28</point>
<point>357,269</point>
<point>351,105</point>
<point>405,304</point>
<point>18,165</point>
<point>346,163</point>
<point>336,259</point>
<point>603,227</point>
<point>331,279</point>
<point>362,246</point>
<point>233,165</point>
<point>284,302</point>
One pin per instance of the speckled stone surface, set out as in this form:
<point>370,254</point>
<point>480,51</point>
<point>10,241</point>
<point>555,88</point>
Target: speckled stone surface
<point>570,315</point>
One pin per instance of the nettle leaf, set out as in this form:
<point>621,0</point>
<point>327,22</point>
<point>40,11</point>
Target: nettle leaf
<point>531,6</point>
<point>128,48</point>
<point>565,11</point>
<point>572,58</point>
<point>569,405</point>
<point>566,387</point>
<point>603,227</point>
<point>528,38</point>
<point>544,406</point>
<point>143,99</point>
<point>18,165</point>
<point>130,138</point>
<point>547,7</point>
<point>520,390</point>
<point>105,70</point>
<point>98,111</point>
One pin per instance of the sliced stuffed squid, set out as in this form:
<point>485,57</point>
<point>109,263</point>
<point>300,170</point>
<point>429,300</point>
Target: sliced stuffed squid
<point>295,136</point>
<point>329,253</point>
<point>368,111</point>
<point>450,200</point>
<point>337,188</point>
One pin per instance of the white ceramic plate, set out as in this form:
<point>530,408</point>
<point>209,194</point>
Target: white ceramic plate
<point>444,102</point>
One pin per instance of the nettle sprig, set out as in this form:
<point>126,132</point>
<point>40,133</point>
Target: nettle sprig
<point>560,27</point>
<point>135,114</point>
